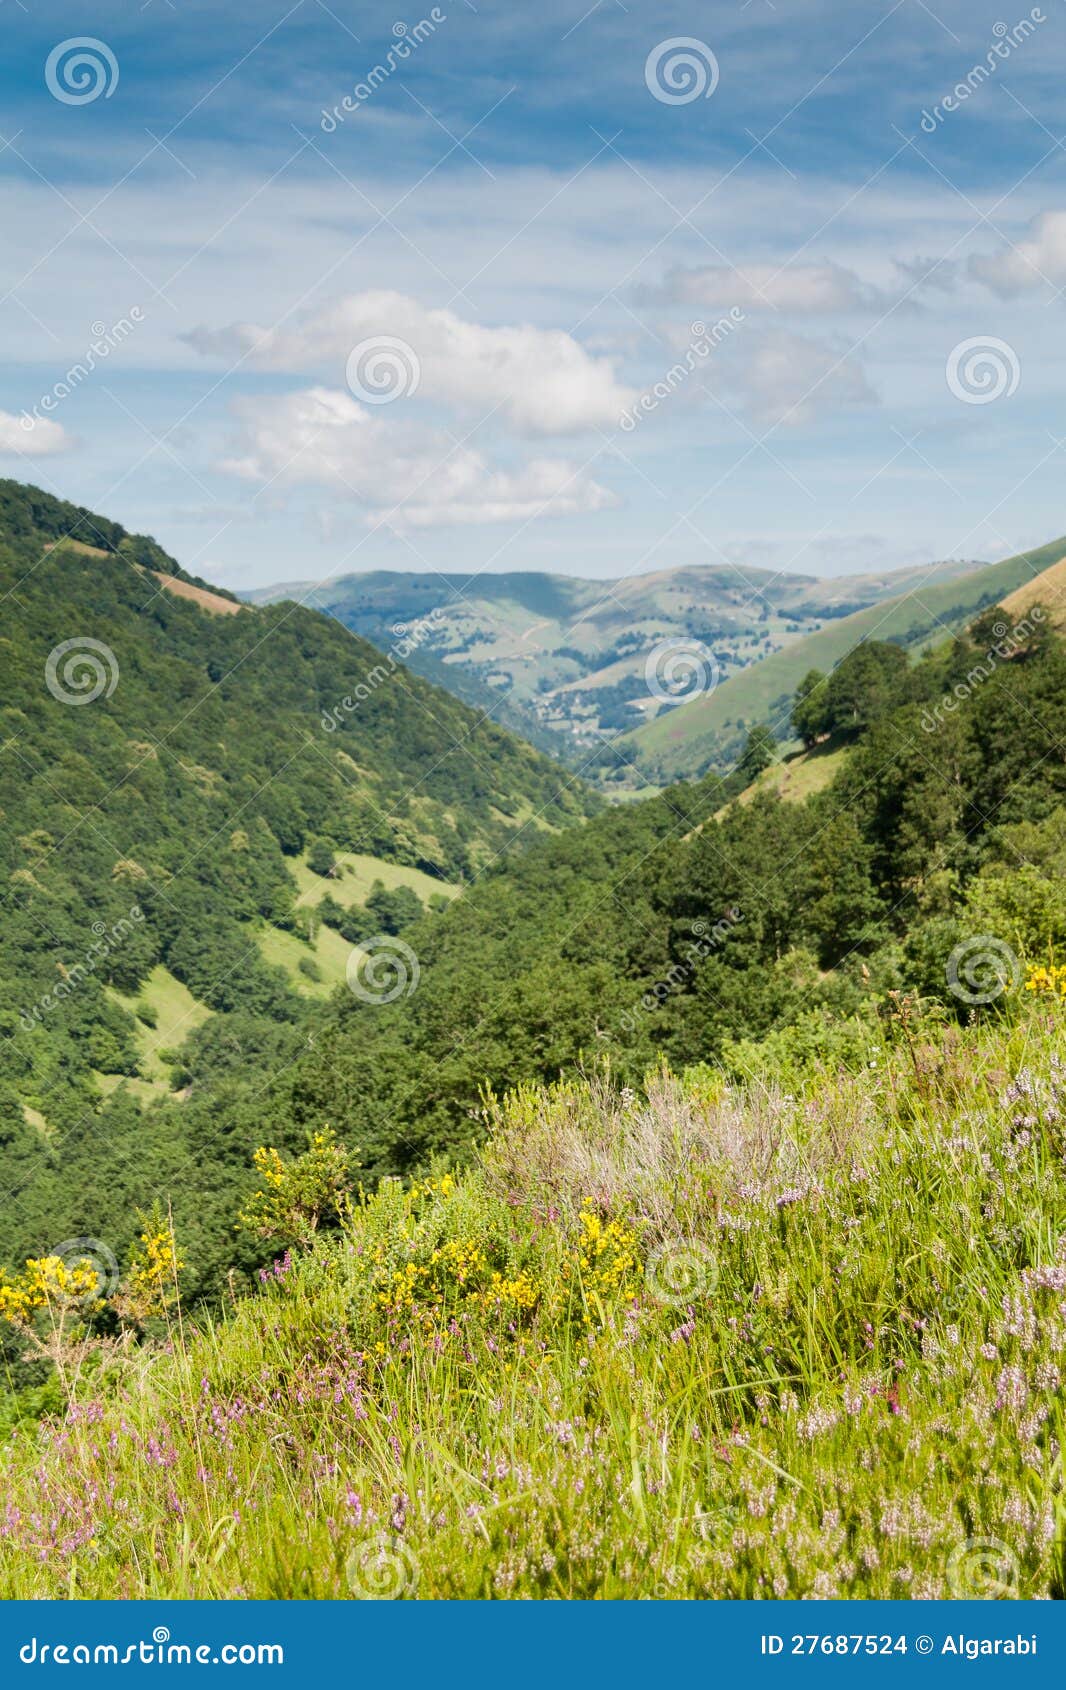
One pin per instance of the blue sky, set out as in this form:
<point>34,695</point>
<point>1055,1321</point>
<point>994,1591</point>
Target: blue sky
<point>807,319</point>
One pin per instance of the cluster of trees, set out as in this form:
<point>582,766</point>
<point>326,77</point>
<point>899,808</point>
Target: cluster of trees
<point>863,688</point>
<point>387,909</point>
<point>182,792</point>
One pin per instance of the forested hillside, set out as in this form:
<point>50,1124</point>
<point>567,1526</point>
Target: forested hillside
<point>239,860</point>
<point>709,729</point>
<point>195,809</point>
<point>780,926</point>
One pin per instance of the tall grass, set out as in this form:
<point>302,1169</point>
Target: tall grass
<point>708,1341</point>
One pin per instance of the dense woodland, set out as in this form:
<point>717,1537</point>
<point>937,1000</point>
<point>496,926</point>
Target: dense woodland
<point>690,927</point>
<point>156,825</point>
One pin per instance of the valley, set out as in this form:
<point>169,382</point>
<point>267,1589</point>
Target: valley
<point>357,1055</point>
<point>580,666</point>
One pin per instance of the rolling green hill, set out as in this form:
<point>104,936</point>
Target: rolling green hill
<point>565,660</point>
<point>197,800</point>
<point>709,731</point>
<point>190,864</point>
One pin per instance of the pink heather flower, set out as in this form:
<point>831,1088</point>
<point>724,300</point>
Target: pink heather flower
<point>683,1334</point>
<point>1011,1389</point>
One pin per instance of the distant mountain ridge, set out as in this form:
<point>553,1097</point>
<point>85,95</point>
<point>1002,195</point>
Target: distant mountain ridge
<point>709,730</point>
<point>565,660</point>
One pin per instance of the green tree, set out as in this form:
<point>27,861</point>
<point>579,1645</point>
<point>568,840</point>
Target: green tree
<point>865,686</point>
<point>810,710</point>
<point>760,750</point>
<point>322,857</point>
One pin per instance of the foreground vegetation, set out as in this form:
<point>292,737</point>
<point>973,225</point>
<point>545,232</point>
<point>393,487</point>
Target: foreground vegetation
<point>754,1281</point>
<point>697,1339</point>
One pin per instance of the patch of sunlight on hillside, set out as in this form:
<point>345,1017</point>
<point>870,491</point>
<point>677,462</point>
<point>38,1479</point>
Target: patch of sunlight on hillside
<point>145,1091</point>
<point>800,775</point>
<point>358,874</point>
<point>329,955</point>
<point>177,1013</point>
<point>36,1120</point>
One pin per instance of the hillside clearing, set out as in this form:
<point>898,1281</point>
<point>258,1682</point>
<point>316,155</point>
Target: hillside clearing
<point>356,876</point>
<point>797,776</point>
<point>175,1013</point>
<point>329,954</point>
<point>216,603</point>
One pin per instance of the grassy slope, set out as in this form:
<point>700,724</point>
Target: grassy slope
<point>683,742</point>
<point>802,1345</point>
<point>177,1014</point>
<point>1047,589</point>
<point>796,777</point>
<point>329,953</point>
<point>358,874</point>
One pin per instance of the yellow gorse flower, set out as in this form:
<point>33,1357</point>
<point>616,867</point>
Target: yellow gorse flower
<point>1051,980</point>
<point>155,1265</point>
<point>270,1167</point>
<point>607,1255</point>
<point>48,1282</point>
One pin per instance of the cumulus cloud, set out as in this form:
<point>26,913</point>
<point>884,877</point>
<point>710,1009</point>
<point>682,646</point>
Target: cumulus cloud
<point>415,477</point>
<point>789,379</point>
<point>1029,263</point>
<point>541,381</point>
<point>32,437</point>
<point>804,289</point>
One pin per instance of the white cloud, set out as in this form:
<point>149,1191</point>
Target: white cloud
<point>415,477</point>
<point>805,289</point>
<point>788,379</point>
<point>541,381</point>
<point>1030,263</point>
<point>32,437</point>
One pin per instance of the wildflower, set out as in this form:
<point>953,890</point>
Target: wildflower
<point>295,1198</point>
<point>1048,981</point>
<point>683,1334</point>
<point>150,1285</point>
